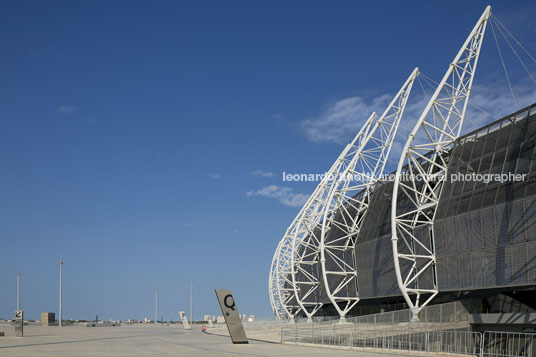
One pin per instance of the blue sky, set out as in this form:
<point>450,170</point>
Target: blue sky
<point>144,142</point>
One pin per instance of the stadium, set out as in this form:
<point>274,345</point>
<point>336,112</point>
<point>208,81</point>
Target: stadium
<point>485,232</point>
<point>454,227</point>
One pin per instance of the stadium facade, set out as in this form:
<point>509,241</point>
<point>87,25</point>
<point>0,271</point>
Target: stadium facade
<point>456,223</point>
<point>485,232</point>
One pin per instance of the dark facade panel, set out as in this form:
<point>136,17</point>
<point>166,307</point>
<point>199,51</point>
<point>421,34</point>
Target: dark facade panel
<point>484,232</point>
<point>500,217</point>
<point>481,228</point>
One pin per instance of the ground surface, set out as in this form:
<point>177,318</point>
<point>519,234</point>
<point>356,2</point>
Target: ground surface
<point>142,341</point>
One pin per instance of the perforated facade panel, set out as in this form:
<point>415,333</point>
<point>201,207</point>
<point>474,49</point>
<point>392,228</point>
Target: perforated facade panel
<point>485,232</point>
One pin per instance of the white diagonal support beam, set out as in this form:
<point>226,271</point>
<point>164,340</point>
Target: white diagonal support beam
<point>305,237</point>
<point>348,203</point>
<point>282,283</point>
<point>421,171</point>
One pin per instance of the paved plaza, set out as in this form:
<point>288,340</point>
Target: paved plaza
<point>142,340</point>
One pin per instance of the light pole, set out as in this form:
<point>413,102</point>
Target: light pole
<point>61,269</point>
<point>18,291</point>
<point>191,301</point>
<point>156,305</point>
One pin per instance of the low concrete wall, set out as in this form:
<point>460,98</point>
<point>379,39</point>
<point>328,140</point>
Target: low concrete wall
<point>507,322</point>
<point>100,324</point>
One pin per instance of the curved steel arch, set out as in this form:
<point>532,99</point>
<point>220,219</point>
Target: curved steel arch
<point>421,171</point>
<point>282,282</point>
<point>305,237</point>
<point>280,295</point>
<point>348,202</point>
<point>364,159</point>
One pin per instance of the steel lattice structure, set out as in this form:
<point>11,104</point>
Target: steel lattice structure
<point>306,236</point>
<point>282,282</point>
<point>348,203</point>
<point>363,161</point>
<point>421,171</point>
<point>280,295</point>
<point>317,253</point>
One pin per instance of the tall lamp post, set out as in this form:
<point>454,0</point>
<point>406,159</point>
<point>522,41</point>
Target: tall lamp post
<point>156,305</point>
<point>61,269</point>
<point>18,291</point>
<point>191,302</point>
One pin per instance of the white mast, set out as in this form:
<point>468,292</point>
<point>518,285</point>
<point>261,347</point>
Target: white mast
<point>414,201</point>
<point>348,203</point>
<point>282,279</point>
<point>305,237</point>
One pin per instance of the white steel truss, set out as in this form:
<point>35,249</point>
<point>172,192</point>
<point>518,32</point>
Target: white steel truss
<point>421,171</point>
<point>348,202</point>
<point>280,294</point>
<point>305,234</point>
<point>281,283</point>
<point>358,167</point>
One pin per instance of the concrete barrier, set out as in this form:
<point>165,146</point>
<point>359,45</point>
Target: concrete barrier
<point>101,324</point>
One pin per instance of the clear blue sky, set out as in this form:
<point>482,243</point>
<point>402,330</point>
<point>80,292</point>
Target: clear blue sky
<point>131,133</point>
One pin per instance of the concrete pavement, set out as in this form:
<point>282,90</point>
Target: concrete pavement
<point>143,340</point>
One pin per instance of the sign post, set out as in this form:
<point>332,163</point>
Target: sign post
<point>230,313</point>
<point>19,323</point>
<point>184,320</point>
